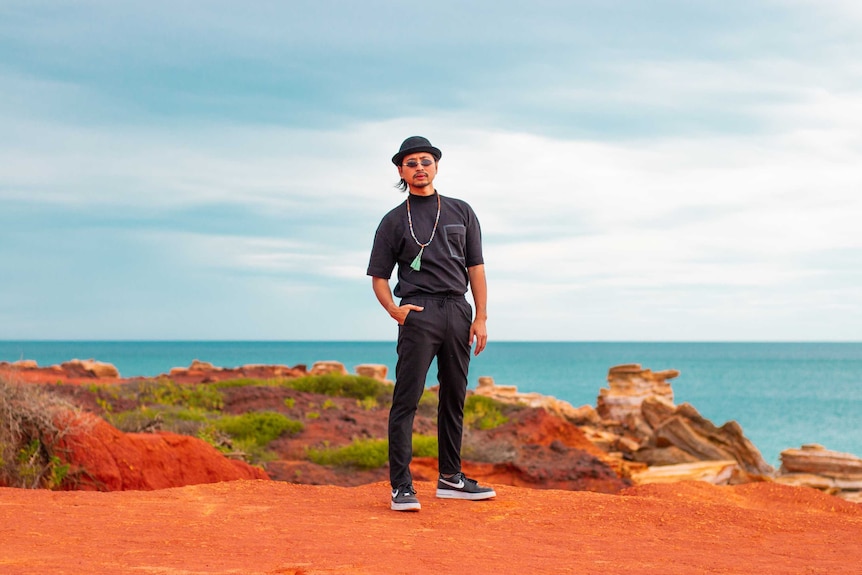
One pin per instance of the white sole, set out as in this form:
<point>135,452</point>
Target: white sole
<point>452,494</point>
<point>405,506</point>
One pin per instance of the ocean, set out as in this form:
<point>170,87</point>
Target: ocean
<point>782,394</point>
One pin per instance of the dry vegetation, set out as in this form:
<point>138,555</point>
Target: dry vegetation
<point>31,427</point>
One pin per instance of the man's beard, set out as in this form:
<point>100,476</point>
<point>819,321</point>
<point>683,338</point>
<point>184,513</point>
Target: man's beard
<point>423,183</point>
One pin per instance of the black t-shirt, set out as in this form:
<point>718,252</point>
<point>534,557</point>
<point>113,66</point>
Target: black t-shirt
<point>457,245</point>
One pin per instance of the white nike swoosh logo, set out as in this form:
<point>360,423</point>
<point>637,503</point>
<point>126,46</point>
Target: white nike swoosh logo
<point>459,485</point>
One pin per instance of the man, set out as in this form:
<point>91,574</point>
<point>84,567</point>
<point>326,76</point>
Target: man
<point>437,244</point>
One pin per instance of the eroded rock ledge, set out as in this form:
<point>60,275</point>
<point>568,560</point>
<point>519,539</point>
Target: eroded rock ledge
<point>831,471</point>
<point>653,440</point>
<point>75,369</point>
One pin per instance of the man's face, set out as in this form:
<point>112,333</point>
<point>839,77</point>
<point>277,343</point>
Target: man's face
<point>418,176</point>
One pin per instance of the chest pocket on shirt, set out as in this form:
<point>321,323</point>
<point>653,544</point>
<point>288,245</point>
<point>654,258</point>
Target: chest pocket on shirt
<point>456,239</point>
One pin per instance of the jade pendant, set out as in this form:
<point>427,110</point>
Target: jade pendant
<point>417,261</point>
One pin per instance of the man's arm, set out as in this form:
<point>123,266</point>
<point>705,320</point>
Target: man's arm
<point>384,296</point>
<point>479,288</point>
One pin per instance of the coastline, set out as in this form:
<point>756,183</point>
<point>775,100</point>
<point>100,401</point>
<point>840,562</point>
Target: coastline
<point>635,430</point>
<point>784,394</point>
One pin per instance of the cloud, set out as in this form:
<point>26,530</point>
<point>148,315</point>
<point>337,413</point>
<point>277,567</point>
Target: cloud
<point>686,224</point>
<point>630,164</point>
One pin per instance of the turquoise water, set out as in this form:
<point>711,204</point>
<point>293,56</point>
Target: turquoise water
<point>783,394</point>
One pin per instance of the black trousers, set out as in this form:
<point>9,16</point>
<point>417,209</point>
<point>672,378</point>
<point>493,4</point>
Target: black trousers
<point>441,330</point>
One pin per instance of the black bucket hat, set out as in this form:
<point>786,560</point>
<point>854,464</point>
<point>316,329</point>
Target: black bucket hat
<point>415,144</point>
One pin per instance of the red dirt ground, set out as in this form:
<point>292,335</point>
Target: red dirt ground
<point>269,528</point>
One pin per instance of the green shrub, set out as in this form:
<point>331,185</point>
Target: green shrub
<point>368,403</point>
<point>482,412</point>
<point>132,421</point>
<point>250,382</point>
<point>160,417</point>
<point>338,385</point>
<point>258,427</point>
<point>368,453</point>
<point>425,446</point>
<point>362,453</point>
<point>166,392</point>
<point>214,437</point>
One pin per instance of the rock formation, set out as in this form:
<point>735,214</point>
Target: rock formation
<point>831,471</point>
<point>90,368</point>
<point>628,387</point>
<point>102,458</point>
<point>715,472</point>
<point>205,372</point>
<point>637,427</point>
<point>641,423</point>
<point>376,371</point>
<point>537,449</point>
<point>76,369</point>
<point>326,367</point>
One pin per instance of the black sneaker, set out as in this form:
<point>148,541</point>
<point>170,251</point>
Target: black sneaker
<point>404,499</point>
<point>459,486</point>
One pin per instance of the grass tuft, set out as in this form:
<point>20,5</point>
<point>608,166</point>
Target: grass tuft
<point>482,412</point>
<point>258,427</point>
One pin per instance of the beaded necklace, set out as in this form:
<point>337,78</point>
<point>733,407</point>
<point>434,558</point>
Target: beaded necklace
<point>417,261</point>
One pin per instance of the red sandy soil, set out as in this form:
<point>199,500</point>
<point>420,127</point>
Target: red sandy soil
<point>267,527</point>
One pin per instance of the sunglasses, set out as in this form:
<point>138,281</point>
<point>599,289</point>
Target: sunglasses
<point>415,163</point>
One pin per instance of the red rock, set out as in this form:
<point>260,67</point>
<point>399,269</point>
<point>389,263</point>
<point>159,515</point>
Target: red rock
<point>205,372</point>
<point>75,371</point>
<point>539,427</point>
<point>548,453</point>
<point>90,368</point>
<point>103,458</point>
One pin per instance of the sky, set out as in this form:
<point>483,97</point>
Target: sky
<point>642,171</point>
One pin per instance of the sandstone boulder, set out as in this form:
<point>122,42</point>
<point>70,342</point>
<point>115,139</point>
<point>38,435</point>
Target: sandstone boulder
<point>815,466</point>
<point>327,367</point>
<point>628,386</point>
<point>656,409</point>
<point>662,456</point>
<point>816,459</point>
<point>697,436</point>
<point>89,368</point>
<point>715,472</point>
<point>373,370</point>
